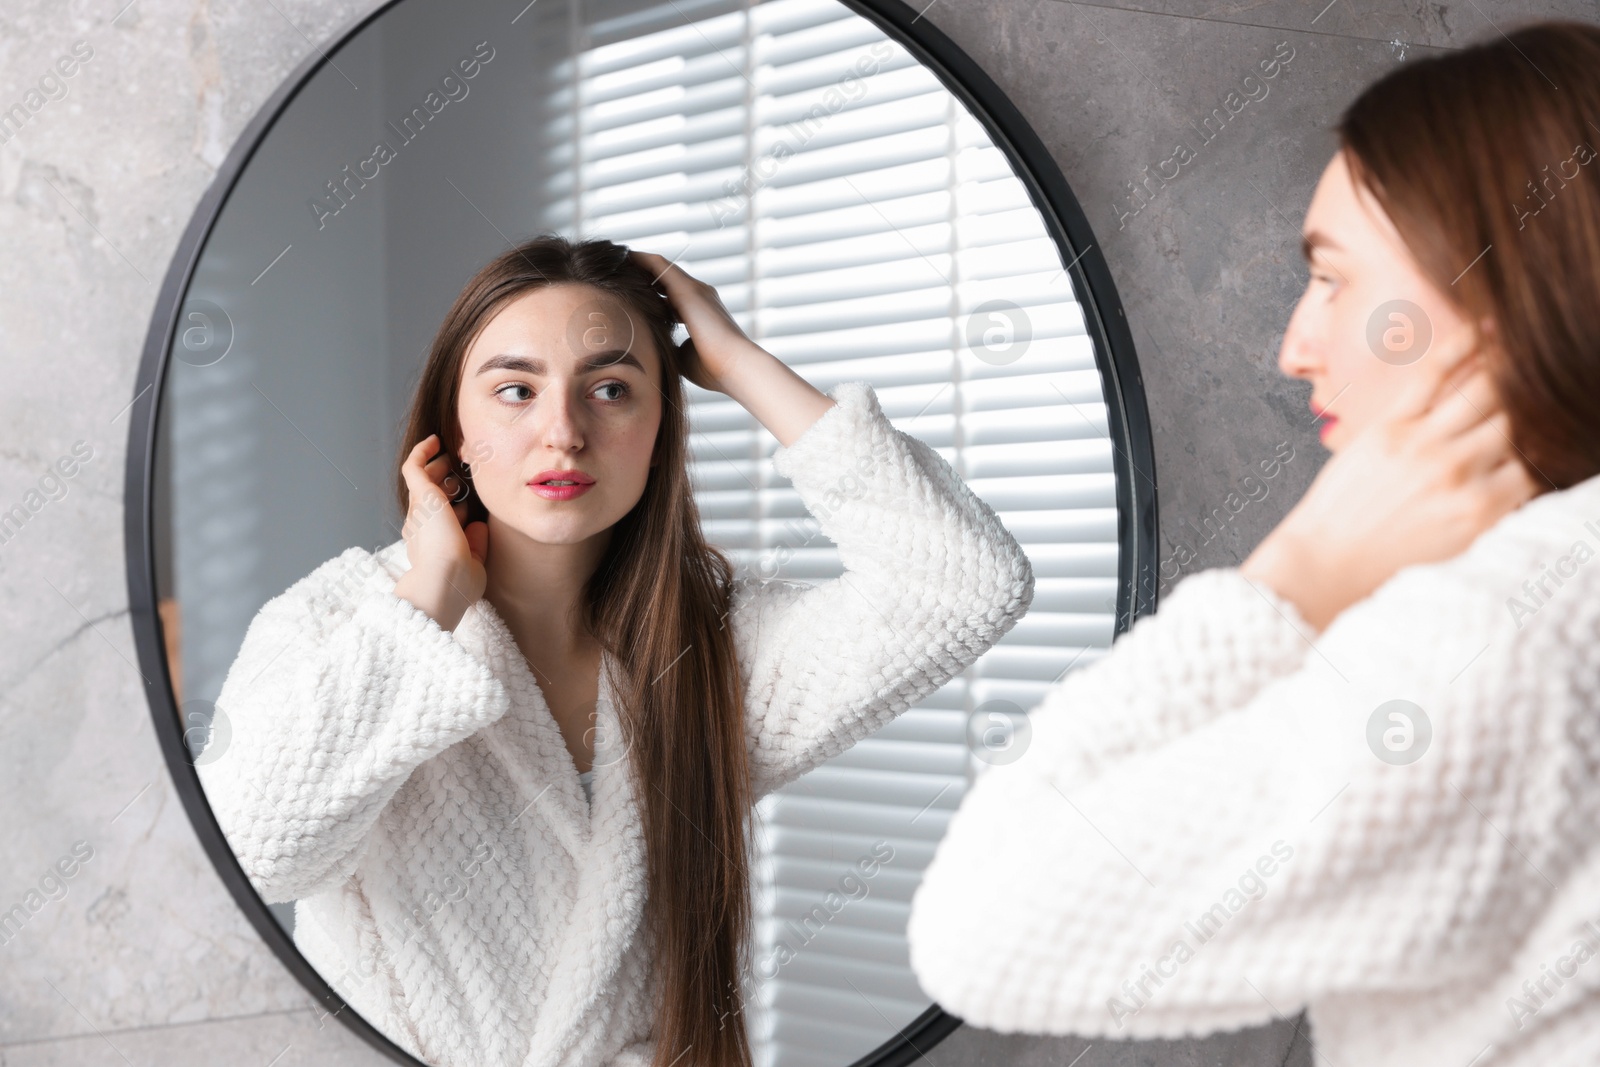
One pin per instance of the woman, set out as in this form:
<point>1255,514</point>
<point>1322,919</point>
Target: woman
<point>414,729</point>
<point>1358,772</point>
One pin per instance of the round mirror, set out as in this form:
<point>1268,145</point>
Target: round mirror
<point>867,205</point>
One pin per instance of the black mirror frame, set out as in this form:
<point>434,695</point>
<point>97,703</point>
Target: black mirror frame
<point>1128,428</point>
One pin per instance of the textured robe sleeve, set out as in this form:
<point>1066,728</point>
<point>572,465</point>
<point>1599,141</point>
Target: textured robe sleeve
<point>339,691</point>
<point>931,581</point>
<point>1216,824</point>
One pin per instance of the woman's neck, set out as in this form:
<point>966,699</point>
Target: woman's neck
<point>537,588</point>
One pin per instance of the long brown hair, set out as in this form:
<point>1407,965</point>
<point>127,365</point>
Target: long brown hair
<point>657,603</point>
<point>1485,160</point>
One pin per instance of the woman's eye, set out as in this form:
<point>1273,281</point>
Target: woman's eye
<point>514,385</point>
<point>620,387</point>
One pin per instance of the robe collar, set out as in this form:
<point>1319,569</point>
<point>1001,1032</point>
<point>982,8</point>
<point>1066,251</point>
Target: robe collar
<point>600,918</point>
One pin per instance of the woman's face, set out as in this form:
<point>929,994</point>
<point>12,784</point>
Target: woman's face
<point>1368,316</point>
<point>560,386</point>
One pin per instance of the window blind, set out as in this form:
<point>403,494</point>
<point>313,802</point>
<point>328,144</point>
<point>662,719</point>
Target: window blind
<point>859,223</point>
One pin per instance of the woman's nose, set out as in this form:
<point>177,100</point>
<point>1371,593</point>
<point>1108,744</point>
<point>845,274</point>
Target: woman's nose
<point>556,414</point>
<point>1300,355</point>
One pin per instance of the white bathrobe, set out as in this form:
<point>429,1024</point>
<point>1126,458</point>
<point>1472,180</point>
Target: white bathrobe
<point>1224,819</point>
<point>410,789</point>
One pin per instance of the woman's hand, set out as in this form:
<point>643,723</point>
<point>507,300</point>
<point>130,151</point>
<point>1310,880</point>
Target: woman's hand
<point>716,343</point>
<point>720,357</point>
<point>447,572</point>
<point>1418,486</point>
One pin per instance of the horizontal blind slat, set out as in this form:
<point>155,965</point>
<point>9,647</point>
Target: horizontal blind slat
<point>858,223</point>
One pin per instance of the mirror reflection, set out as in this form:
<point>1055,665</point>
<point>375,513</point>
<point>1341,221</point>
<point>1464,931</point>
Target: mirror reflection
<point>436,692</point>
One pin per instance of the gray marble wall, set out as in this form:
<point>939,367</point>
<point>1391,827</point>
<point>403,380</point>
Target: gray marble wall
<point>141,958</point>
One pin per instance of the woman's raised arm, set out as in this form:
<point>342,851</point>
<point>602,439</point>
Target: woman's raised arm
<point>1194,874</point>
<point>932,579</point>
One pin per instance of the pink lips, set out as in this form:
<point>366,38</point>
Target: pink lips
<point>577,483</point>
<point>1327,420</point>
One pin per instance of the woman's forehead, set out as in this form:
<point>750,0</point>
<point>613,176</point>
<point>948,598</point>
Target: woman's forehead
<point>561,326</point>
<point>1349,213</point>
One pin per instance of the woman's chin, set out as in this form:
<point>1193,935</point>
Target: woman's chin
<point>564,531</point>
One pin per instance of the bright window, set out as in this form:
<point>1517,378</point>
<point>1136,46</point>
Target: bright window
<point>860,224</point>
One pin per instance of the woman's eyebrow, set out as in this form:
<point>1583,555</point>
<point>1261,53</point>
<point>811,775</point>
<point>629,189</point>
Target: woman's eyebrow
<point>1317,239</point>
<point>609,358</point>
<point>534,365</point>
<point>511,363</point>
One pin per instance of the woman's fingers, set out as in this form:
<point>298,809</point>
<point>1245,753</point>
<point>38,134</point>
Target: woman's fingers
<point>478,540</point>
<point>441,473</point>
<point>719,342</point>
<point>681,286</point>
<point>415,469</point>
<point>690,367</point>
<point>430,480</point>
<point>662,269</point>
<point>1485,446</point>
<point>1512,485</point>
<point>1461,405</point>
<point>447,572</point>
<point>670,277</point>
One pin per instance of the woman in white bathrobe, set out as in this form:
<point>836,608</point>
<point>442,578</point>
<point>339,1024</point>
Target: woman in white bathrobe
<point>1357,773</point>
<point>417,731</point>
